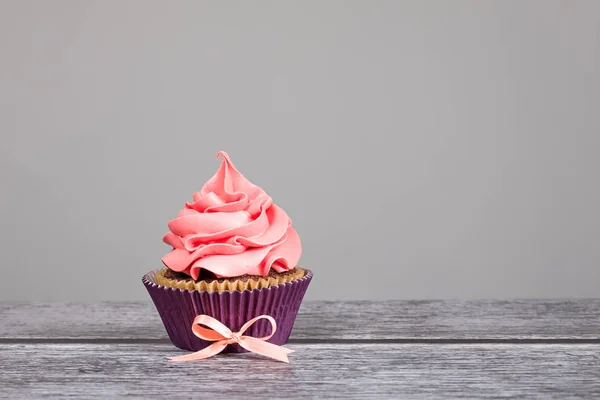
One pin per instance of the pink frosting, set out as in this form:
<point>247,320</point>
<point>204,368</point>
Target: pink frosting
<point>232,228</point>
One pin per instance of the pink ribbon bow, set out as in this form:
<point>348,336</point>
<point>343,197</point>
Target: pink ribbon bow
<point>222,336</point>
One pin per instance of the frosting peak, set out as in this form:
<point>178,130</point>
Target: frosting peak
<point>231,228</point>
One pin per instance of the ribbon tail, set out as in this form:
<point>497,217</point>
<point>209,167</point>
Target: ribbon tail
<point>266,349</point>
<point>209,351</point>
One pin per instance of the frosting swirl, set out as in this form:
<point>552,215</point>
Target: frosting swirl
<point>232,228</point>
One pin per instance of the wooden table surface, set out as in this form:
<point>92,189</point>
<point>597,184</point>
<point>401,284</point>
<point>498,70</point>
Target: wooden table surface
<point>399,349</point>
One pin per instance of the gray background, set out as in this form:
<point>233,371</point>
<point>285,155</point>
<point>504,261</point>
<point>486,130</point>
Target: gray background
<point>423,149</point>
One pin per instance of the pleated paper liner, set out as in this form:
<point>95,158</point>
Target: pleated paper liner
<point>228,284</point>
<point>178,308</point>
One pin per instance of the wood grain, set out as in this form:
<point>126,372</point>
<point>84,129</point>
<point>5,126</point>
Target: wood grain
<point>393,320</point>
<point>109,350</point>
<point>330,371</point>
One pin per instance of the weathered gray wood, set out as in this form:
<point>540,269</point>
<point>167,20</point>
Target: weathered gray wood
<point>530,319</point>
<point>342,370</point>
<point>359,370</point>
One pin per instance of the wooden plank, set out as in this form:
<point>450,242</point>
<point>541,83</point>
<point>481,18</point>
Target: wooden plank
<point>524,319</point>
<point>329,371</point>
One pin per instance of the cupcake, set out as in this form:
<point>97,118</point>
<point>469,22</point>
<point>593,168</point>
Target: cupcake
<point>234,257</point>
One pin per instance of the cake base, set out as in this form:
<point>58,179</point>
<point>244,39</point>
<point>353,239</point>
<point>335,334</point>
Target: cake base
<point>178,308</point>
<point>209,283</point>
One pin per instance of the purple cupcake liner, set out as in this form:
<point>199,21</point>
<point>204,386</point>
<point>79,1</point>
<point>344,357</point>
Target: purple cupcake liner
<point>178,308</point>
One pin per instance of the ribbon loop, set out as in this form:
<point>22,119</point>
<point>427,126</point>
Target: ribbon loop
<point>215,331</point>
<point>255,319</point>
